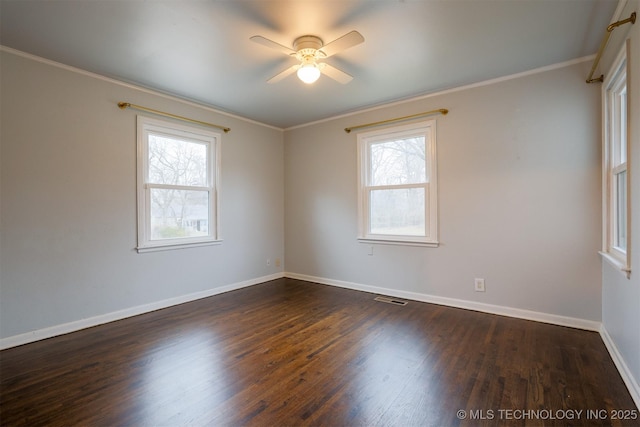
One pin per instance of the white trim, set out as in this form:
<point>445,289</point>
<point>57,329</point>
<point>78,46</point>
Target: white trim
<point>328,119</point>
<point>519,313</point>
<point>172,246</point>
<point>623,369</point>
<point>398,242</point>
<point>41,334</point>
<point>448,91</point>
<point>139,88</point>
<point>611,165</point>
<point>365,142</point>
<point>616,263</point>
<point>572,322</point>
<point>618,12</point>
<point>212,141</point>
<point>65,328</point>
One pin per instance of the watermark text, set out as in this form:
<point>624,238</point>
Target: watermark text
<point>548,414</point>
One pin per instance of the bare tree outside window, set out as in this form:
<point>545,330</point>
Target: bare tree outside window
<point>398,211</point>
<point>397,191</point>
<point>178,168</point>
<point>176,212</point>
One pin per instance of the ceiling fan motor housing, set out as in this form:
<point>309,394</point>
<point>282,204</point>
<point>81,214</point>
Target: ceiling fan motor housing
<point>308,46</point>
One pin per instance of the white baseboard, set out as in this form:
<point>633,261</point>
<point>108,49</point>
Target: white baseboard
<point>630,382</point>
<point>625,373</point>
<point>623,369</point>
<point>537,316</point>
<point>77,325</point>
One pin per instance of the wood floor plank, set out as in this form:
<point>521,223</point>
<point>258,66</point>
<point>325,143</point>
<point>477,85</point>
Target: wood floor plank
<point>291,353</point>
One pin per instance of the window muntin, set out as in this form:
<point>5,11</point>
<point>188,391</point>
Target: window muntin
<point>615,174</point>
<point>397,188</point>
<point>177,185</point>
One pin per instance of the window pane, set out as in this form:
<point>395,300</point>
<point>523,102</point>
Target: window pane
<point>177,162</point>
<point>179,213</point>
<point>398,212</point>
<point>620,195</point>
<point>622,122</point>
<point>398,162</point>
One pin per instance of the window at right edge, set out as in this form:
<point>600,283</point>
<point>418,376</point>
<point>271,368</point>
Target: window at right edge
<point>615,175</point>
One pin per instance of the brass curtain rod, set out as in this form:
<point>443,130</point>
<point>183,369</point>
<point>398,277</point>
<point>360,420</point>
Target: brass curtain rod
<point>124,105</point>
<point>603,44</point>
<point>442,111</point>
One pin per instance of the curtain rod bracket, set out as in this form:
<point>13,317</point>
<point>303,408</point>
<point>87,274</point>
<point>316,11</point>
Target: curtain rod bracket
<point>631,19</point>
<point>603,44</point>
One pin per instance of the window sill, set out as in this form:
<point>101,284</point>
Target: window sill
<point>615,262</point>
<point>173,246</point>
<point>399,242</point>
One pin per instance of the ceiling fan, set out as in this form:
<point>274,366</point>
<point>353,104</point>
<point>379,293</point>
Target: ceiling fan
<point>308,50</point>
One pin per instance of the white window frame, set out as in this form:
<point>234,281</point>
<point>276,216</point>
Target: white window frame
<point>616,124</point>
<point>212,140</point>
<point>426,128</point>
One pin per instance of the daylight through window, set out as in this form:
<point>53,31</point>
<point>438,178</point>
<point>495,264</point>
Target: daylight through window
<point>397,184</point>
<point>177,185</point>
<point>615,176</point>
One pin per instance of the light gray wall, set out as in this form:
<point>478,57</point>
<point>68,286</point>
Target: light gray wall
<point>519,186</point>
<point>621,296</point>
<point>68,201</point>
<point>519,198</point>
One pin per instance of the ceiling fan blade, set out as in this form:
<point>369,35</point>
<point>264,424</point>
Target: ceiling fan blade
<point>273,45</point>
<point>334,73</point>
<point>284,74</point>
<point>345,42</point>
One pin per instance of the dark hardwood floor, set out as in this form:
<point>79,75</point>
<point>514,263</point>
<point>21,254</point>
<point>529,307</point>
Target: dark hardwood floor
<point>288,353</point>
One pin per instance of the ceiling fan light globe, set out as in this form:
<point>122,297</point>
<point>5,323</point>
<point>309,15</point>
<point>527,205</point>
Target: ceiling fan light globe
<point>308,73</point>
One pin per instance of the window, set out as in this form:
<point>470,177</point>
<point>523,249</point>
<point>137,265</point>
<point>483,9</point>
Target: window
<point>178,184</point>
<point>397,193</point>
<point>615,176</point>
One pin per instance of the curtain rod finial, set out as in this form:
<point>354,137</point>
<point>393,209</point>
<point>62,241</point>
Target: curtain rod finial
<point>123,105</point>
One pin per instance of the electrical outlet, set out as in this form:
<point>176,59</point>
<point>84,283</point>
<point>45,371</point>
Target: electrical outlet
<point>479,285</point>
<point>277,262</point>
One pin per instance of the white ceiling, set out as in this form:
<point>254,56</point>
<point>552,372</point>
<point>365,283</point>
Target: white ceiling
<point>200,50</point>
